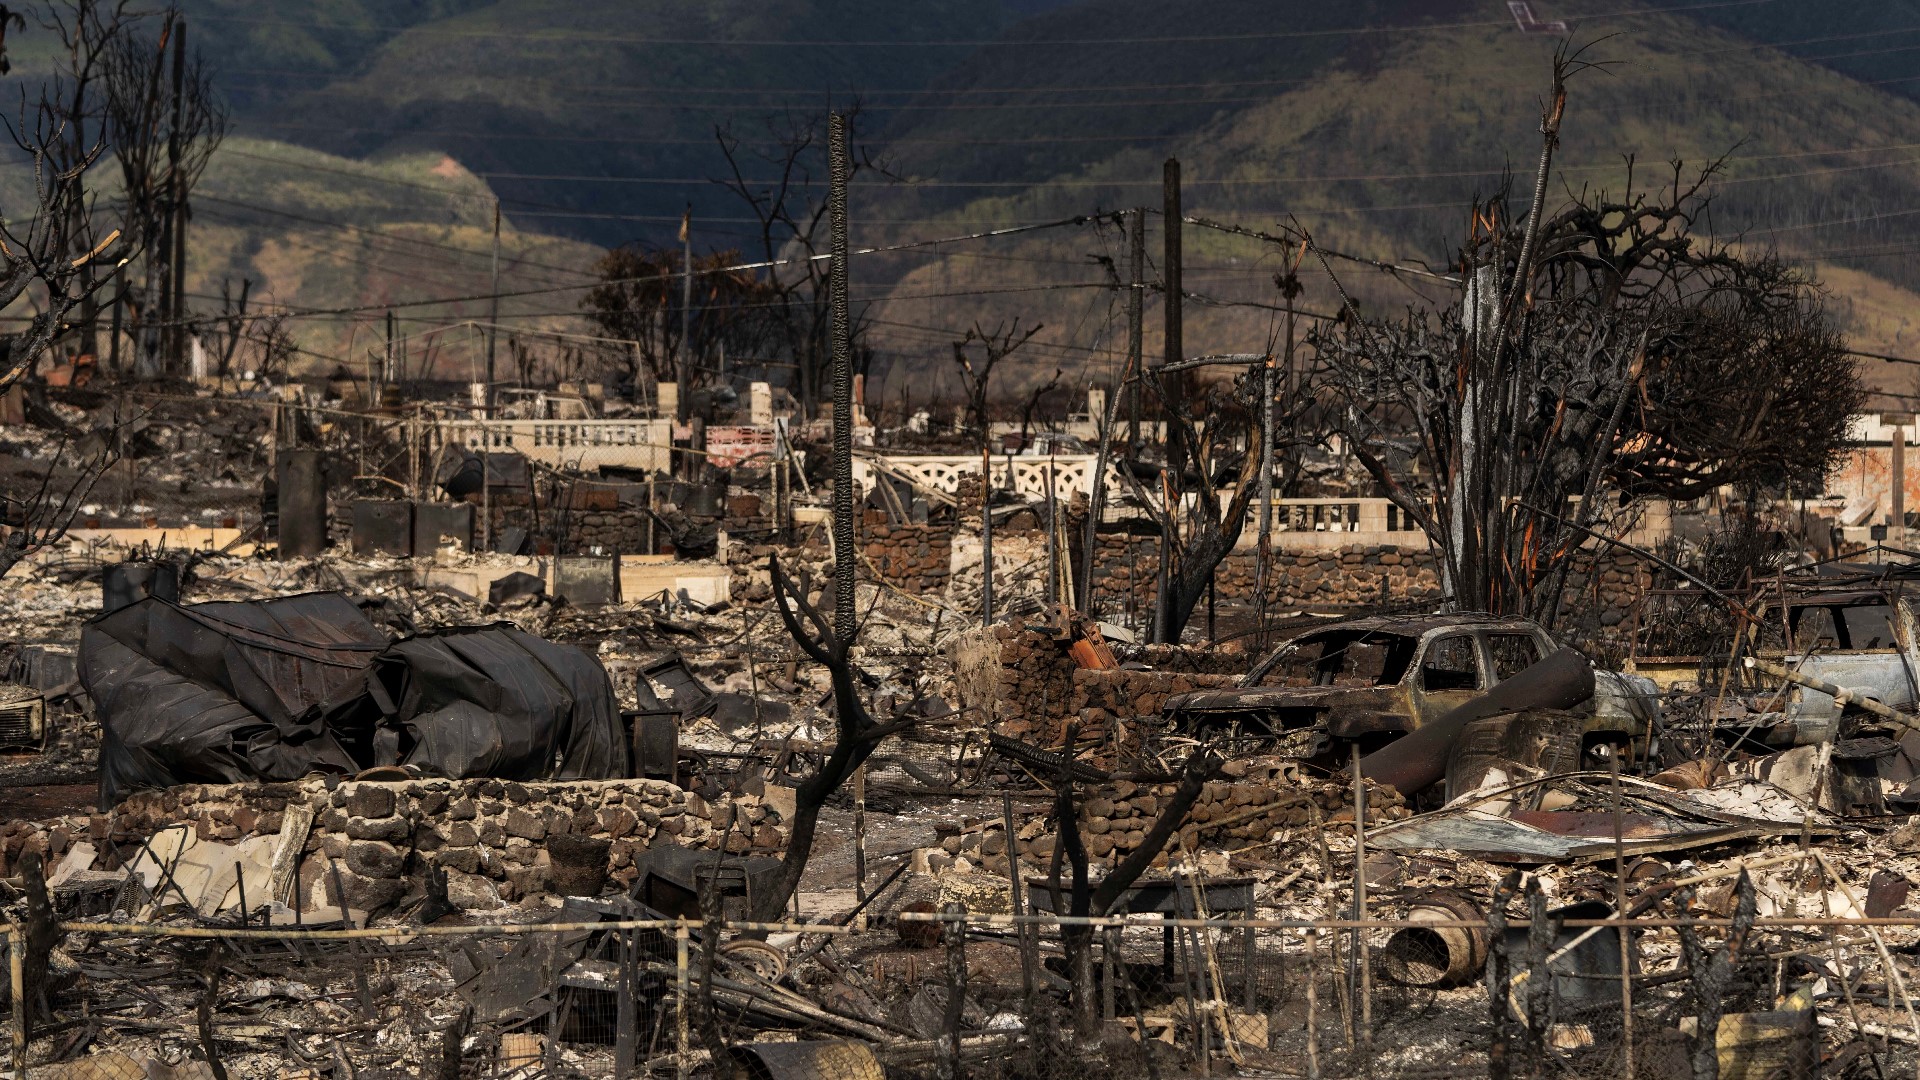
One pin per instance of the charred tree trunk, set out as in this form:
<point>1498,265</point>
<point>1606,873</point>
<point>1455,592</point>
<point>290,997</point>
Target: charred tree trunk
<point>857,735</point>
<point>1077,941</point>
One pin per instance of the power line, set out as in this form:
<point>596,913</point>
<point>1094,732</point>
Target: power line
<point>765,264</point>
<point>1448,174</point>
<point>471,252</point>
<point>557,36</point>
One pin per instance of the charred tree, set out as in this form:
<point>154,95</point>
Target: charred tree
<point>976,367</point>
<point>1196,533</point>
<point>1601,353</point>
<point>1084,899</point>
<point>641,299</point>
<point>789,231</point>
<point>856,732</point>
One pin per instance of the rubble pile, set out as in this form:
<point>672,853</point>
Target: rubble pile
<point>1248,811</point>
<point>434,747</point>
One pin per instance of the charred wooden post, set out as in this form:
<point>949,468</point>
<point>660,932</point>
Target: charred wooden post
<point>1542,931</point>
<point>1710,971</point>
<point>840,170</point>
<point>953,933</point>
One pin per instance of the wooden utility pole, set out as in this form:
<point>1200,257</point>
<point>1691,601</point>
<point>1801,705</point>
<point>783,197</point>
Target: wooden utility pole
<point>1170,267</point>
<point>177,189</point>
<point>119,306</point>
<point>1136,325</point>
<point>1171,389</point>
<point>1898,501</point>
<point>1128,387</point>
<point>840,173</point>
<point>686,309</point>
<point>493,314</point>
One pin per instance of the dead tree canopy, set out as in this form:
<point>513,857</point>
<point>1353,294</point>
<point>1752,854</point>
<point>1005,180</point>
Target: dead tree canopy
<point>789,230</point>
<point>1196,531</point>
<point>976,366</point>
<point>639,297</point>
<point>1601,352</point>
<point>47,249</point>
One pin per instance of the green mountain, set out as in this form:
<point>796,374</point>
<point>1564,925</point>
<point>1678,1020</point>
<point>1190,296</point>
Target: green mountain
<point>1377,142</point>
<point>594,118</point>
<point>1372,123</point>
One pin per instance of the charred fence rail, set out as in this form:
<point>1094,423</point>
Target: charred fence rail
<point>951,993</point>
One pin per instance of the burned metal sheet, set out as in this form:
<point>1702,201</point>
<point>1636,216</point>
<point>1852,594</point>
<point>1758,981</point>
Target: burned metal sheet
<point>1567,838</point>
<point>491,701</point>
<point>277,689</point>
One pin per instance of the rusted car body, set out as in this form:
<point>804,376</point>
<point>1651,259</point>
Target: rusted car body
<point>1365,682</point>
<point>1864,637</point>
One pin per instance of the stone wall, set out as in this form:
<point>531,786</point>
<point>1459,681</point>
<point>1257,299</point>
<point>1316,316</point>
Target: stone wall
<point>623,531</point>
<point>1231,812</point>
<point>1348,576</point>
<point>1104,700</point>
<point>490,836</point>
<point>912,558</point>
<point>1027,686</point>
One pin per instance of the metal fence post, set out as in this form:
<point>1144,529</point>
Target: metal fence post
<point>685,991</point>
<point>1313,1005</point>
<point>954,931</point>
<point>17,975</point>
<point>1110,942</point>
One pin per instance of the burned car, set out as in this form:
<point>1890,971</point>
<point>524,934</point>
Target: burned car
<point>1365,682</point>
<point>1862,635</point>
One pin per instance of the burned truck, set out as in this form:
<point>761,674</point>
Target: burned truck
<point>1362,683</point>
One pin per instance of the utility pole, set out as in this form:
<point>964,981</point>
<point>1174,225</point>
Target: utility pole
<point>1289,288</point>
<point>1136,326</point>
<point>493,314</point>
<point>682,367</point>
<point>1175,400</point>
<point>119,305</point>
<point>840,172</point>
<point>686,303</point>
<point>178,190</point>
<point>1128,387</point>
<point>1170,267</point>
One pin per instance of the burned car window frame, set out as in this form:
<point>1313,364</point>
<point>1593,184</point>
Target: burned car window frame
<point>1445,640</point>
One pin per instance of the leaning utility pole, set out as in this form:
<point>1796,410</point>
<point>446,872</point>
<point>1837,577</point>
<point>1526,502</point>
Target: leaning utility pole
<point>1128,387</point>
<point>840,172</point>
<point>686,299</point>
<point>1289,288</point>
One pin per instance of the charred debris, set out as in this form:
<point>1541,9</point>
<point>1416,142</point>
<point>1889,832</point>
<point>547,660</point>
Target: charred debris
<point>356,729</point>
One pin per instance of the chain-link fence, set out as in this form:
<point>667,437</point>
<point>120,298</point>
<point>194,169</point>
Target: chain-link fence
<point>1520,990</point>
